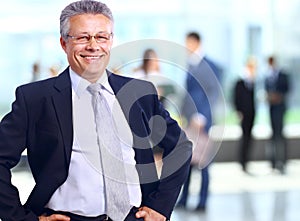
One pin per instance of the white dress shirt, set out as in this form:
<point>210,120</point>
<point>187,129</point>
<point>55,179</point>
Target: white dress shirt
<point>83,191</point>
<point>195,57</point>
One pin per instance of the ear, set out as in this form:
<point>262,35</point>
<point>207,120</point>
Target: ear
<point>63,43</point>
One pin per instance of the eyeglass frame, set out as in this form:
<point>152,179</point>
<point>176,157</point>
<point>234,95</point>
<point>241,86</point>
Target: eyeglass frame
<point>88,37</point>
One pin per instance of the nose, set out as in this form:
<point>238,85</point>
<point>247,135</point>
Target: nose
<point>92,44</point>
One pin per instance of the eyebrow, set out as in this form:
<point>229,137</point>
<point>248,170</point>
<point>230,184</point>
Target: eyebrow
<point>85,32</point>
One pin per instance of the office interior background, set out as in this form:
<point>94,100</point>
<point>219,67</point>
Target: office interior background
<point>232,30</point>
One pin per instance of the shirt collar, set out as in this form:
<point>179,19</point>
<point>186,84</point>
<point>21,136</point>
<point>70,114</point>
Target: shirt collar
<point>79,84</point>
<point>103,80</point>
<point>274,72</point>
<point>196,57</point>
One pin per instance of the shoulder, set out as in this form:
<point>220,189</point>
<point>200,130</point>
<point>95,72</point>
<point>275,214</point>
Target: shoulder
<point>208,60</point>
<point>283,73</point>
<point>119,82</point>
<point>215,66</point>
<point>239,82</point>
<point>38,86</point>
<point>139,73</point>
<point>134,94</point>
<point>47,87</point>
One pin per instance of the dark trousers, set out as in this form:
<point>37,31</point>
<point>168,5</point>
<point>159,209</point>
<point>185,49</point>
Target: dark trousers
<point>278,145</point>
<point>75,217</point>
<point>203,194</point>
<point>246,139</point>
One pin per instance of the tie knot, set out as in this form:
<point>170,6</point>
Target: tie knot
<point>94,88</point>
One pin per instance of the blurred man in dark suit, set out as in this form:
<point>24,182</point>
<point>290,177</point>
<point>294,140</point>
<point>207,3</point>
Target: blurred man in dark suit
<point>202,83</point>
<point>277,86</point>
<point>244,102</point>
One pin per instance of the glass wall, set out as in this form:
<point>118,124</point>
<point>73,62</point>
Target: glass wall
<point>231,29</point>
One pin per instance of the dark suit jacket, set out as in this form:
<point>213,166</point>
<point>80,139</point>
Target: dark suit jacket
<point>244,98</point>
<point>203,89</point>
<point>280,85</point>
<point>41,121</point>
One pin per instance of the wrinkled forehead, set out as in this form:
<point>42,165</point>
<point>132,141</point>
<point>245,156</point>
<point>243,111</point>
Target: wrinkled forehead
<point>90,23</point>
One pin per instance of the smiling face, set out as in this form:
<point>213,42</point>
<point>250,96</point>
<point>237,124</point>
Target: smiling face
<point>90,59</point>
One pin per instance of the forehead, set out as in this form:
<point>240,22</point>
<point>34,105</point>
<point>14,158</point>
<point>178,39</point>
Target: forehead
<point>192,40</point>
<point>90,23</point>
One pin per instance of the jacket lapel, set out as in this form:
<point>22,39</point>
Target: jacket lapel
<point>62,101</point>
<point>118,85</point>
<point>126,92</point>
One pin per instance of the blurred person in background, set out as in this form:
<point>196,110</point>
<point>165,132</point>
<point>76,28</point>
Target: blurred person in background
<point>203,78</point>
<point>36,71</point>
<point>149,66</point>
<point>150,70</point>
<point>244,102</point>
<point>53,70</point>
<point>277,87</point>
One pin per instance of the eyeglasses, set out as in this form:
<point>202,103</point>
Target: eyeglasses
<point>101,37</point>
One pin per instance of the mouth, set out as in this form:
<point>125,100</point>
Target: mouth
<point>92,57</point>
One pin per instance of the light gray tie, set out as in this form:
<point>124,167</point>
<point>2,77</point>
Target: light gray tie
<point>116,192</point>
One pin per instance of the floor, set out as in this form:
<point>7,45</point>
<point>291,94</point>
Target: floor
<point>261,195</point>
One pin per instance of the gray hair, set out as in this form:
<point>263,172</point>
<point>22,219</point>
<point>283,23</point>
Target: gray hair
<point>82,7</point>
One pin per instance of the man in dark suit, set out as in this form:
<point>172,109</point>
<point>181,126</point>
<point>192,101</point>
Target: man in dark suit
<point>277,86</point>
<point>54,119</point>
<point>244,102</point>
<point>203,90</point>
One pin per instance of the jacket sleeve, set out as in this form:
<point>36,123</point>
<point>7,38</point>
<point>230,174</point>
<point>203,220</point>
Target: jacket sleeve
<point>13,130</point>
<point>177,152</point>
<point>284,84</point>
<point>237,96</point>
